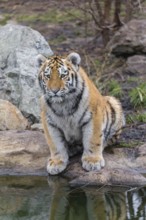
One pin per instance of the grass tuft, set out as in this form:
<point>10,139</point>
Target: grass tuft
<point>138,96</point>
<point>114,88</point>
<point>136,118</point>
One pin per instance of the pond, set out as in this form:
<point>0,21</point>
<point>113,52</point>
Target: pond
<point>42,198</point>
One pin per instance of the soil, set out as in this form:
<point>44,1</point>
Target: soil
<point>66,35</point>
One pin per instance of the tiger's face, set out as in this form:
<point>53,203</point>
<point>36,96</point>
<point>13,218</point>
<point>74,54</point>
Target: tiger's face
<point>58,77</point>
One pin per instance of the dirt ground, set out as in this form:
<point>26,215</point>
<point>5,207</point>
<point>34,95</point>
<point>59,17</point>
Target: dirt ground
<point>64,27</point>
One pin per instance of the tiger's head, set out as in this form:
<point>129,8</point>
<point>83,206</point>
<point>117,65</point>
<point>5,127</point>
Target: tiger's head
<point>58,76</point>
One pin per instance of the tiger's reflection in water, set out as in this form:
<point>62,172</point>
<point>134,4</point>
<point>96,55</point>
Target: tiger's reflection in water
<point>101,203</point>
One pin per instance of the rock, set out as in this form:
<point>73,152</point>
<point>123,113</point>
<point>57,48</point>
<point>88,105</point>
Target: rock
<point>10,117</point>
<point>126,59</point>
<point>26,153</point>
<point>123,167</point>
<point>19,47</point>
<point>23,152</point>
<point>130,39</point>
<point>135,66</point>
<point>142,126</point>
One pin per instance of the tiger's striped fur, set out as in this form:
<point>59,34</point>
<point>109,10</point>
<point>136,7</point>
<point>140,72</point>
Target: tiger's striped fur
<point>74,112</point>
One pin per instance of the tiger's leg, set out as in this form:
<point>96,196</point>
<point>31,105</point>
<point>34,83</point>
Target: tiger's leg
<point>58,159</point>
<point>92,158</point>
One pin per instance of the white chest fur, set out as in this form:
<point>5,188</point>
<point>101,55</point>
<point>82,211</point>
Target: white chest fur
<point>70,125</point>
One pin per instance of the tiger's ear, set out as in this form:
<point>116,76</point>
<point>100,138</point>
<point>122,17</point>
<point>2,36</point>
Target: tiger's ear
<point>41,59</point>
<point>75,59</point>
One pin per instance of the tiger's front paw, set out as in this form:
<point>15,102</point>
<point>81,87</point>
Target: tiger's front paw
<point>56,165</point>
<point>93,163</point>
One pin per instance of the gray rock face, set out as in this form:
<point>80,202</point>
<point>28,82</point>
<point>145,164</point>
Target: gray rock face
<point>130,39</point>
<point>135,65</point>
<point>127,53</point>
<point>19,47</point>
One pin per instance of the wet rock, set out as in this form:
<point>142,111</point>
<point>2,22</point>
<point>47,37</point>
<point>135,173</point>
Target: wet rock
<point>26,153</point>
<point>19,47</point>
<point>130,39</point>
<point>10,117</point>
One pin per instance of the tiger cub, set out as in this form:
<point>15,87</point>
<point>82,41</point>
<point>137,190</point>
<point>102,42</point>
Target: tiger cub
<point>73,111</point>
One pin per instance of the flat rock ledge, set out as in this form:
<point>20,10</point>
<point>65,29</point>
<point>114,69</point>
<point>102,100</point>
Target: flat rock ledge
<point>26,153</point>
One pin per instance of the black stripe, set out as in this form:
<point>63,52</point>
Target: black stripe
<point>60,62</point>
<point>80,121</point>
<point>107,121</point>
<point>62,136</point>
<point>49,119</point>
<point>73,90</point>
<point>41,83</point>
<point>48,102</point>
<point>76,80</point>
<point>86,122</point>
<point>53,110</point>
<point>78,99</point>
<point>113,113</point>
<point>72,77</point>
<point>51,107</point>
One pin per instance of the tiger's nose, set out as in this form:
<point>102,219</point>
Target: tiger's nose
<point>55,90</point>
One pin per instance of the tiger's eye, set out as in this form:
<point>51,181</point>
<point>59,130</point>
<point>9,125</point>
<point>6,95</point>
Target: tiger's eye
<point>64,74</point>
<point>47,73</point>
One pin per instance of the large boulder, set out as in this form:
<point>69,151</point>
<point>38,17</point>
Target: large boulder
<point>126,57</point>
<point>130,39</point>
<point>19,47</point>
<point>10,117</point>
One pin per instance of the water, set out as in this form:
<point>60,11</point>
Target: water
<point>39,198</point>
